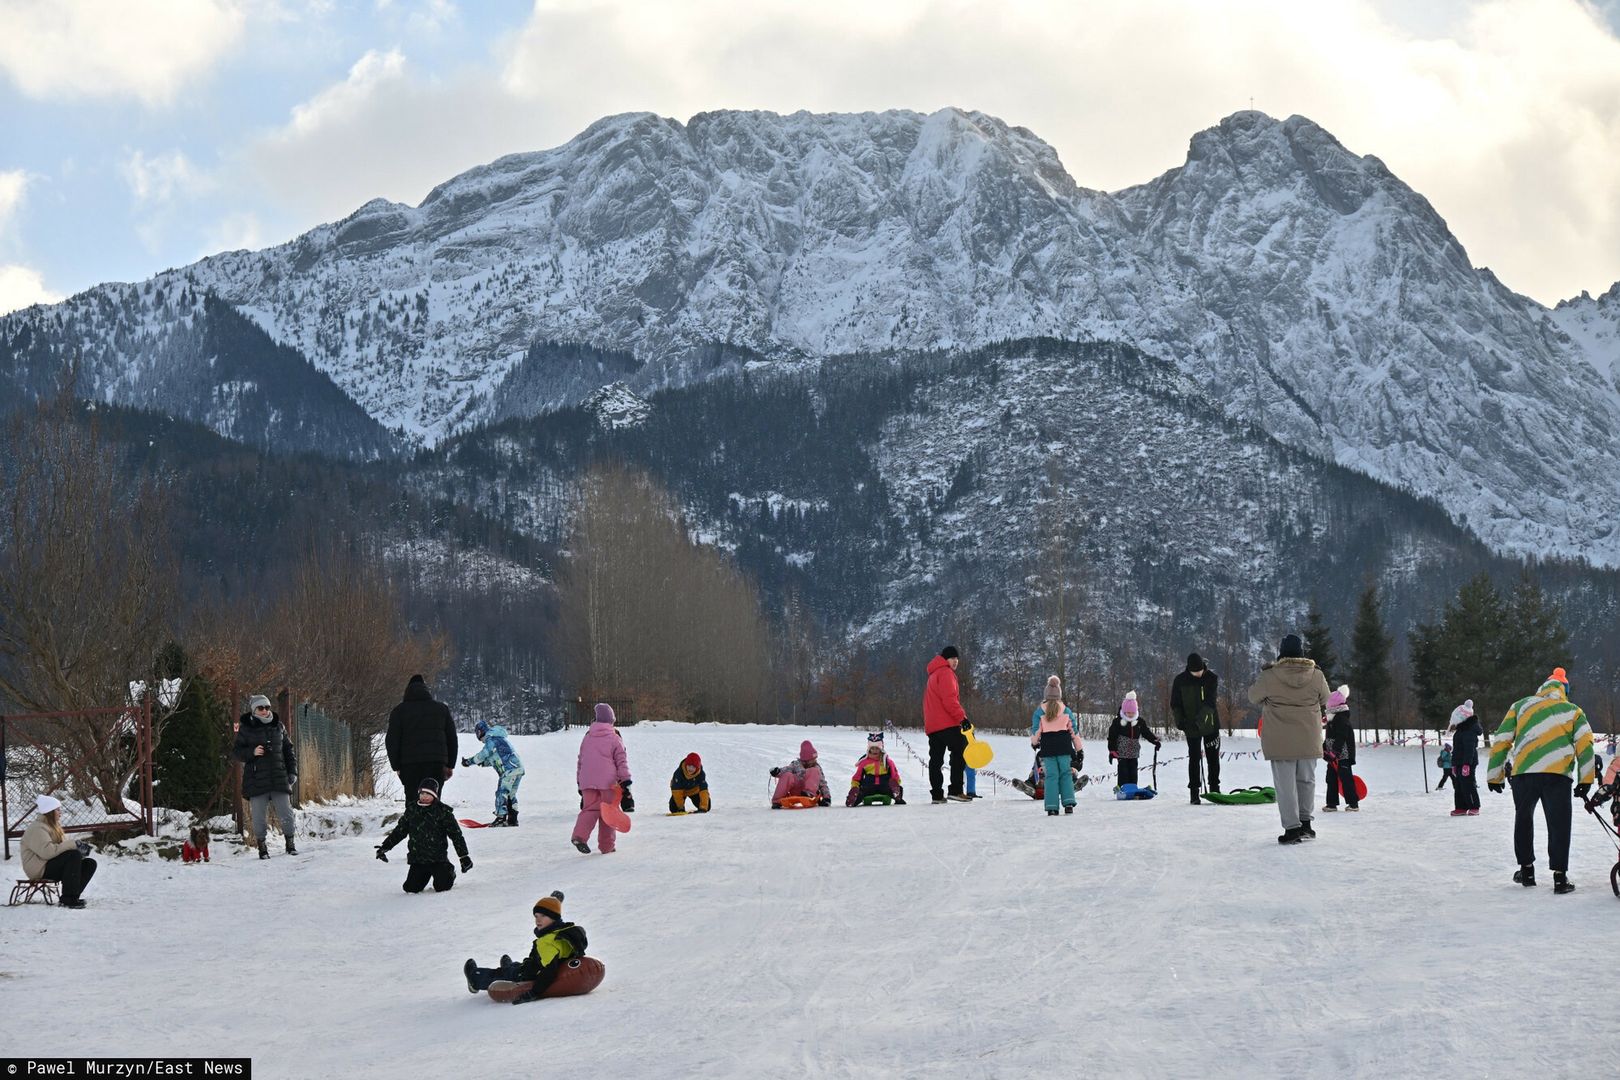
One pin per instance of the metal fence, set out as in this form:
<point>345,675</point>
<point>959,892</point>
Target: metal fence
<point>325,754</point>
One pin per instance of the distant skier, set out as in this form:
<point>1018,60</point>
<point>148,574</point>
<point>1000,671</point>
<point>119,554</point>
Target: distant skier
<point>432,827</point>
<point>1466,733</point>
<point>1339,751</point>
<point>802,776</point>
<point>602,766</point>
<point>499,755</point>
<point>1292,694</point>
<point>1125,738</point>
<point>1054,730</point>
<point>946,724</point>
<point>875,774</point>
<point>1546,741</point>
<point>689,784</point>
<point>1192,705</point>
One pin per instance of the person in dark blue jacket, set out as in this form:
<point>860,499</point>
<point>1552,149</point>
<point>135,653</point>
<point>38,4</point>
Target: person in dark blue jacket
<point>1465,735</point>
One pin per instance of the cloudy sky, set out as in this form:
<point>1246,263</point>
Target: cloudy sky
<point>142,134</point>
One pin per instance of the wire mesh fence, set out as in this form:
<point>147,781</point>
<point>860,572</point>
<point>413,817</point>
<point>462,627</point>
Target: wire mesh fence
<point>325,755</point>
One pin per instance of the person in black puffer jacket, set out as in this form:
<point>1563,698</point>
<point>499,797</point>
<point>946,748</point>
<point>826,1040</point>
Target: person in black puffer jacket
<point>269,769</point>
<point>421,739</point>
<point>1339,751</point>
<point>432,828</point>
<point>1466,733</point>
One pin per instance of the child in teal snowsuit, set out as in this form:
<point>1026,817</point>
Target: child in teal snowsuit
<point>499,755</point>
<point>1054,731</point>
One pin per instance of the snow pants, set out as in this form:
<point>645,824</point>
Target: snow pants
<point>260,804</point>
<point>1059,780</point>
<point>678,797</point>
<point>807,783</point>
<point>590,815</point>
<point>72,869</point>
<point>1295,781</point>
<point>1444,774</point>
<point>443,876</point>
<point>1127,771</point>
<point>953,739</point>
<point>1552,794</point>
<point>481,977</point>
<point>1346,777</point>
<point>1211,754</point>
<point>970,780</point>
<point>506,791</point>
<point>1465,792</point>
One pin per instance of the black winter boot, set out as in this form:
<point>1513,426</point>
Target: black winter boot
<point>1561,883</point>
<point>292,848</point>
<point>511,818</point>
<point>1195,800</point>
<point>1292,836</point>
<point>471,969</point>
<point>264,852</point>
<point>1525,875</point>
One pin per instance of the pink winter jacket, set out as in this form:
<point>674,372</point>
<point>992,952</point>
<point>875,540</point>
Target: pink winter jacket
<point>601,758</point>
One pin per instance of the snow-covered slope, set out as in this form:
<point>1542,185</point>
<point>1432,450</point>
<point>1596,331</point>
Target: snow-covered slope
<point>1593,326</point>
<point>1305,288</point>
<point>977,941</point>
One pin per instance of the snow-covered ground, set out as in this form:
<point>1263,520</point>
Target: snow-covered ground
<point>982,940</point>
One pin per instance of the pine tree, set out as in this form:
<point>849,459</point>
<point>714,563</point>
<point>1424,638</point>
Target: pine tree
<point>189,762</point>
<point>1319,642</point>
<point>1534,640</point>
<point>1369,656</point>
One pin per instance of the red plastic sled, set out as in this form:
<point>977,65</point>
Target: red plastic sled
<point>469,823</point>
<point>578,976</point>
<point>616,819</point>
<point>797,802</point>
<point>1361,787</point>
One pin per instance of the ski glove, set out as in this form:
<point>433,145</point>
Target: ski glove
<point>466,762</point>
<point>776,771</point>
<point>627,803</point>
<point>1581,790</point>
<point>966,726</point>
<point>466,863</point>
<point>1498,788</point>
<point>382,856</point>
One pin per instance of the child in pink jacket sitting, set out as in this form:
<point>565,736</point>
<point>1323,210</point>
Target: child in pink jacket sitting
<point>602,764</point>
<point>875,774</point>
<point>801,776</point>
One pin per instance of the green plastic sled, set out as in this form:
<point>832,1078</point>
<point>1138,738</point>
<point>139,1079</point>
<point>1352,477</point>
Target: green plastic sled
<point>1249,796</point>
<point>877,800</point>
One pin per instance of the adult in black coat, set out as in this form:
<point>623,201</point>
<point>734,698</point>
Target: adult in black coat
<point>421,740</point>
<point>269,769</point>
<point>1192,705</point>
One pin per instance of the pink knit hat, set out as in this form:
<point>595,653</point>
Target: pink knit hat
<point>806,751</point>
<point>1338,699</point>
<point>1127,708</point>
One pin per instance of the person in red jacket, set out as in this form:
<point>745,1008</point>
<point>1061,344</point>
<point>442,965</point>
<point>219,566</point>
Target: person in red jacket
<point>945,721</point>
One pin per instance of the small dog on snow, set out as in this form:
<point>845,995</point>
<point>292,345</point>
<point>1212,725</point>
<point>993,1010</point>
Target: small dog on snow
<point>196,849</point>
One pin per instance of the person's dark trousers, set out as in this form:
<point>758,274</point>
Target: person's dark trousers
<point>1444,774</point>
<point>954,740</point>
<point>1469,787</point>
<point>412,776</point>
<point>482,977</point>
<point>73,870</point>
<point>1347,783</point>
<point>1459,801</point>
<point>1127,771</point>
<point>1212,756</point>
<point>1552,793</point>
<point>442,874</point>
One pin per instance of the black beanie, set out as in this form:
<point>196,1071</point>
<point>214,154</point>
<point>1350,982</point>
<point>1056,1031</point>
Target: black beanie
<point>416,679</point>
<point>1195,662</point>
<point>428,784</point>
<point>949,652</point>
<point>1291,646</point>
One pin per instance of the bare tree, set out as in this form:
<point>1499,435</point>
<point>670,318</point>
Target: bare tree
<point>87,582</point>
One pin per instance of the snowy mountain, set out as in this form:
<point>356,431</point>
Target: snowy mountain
<point>1593,327</point>
<point>1304,290</point>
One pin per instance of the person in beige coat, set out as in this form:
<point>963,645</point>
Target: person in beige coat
<point>48,855</point>
<point>1292,694</point>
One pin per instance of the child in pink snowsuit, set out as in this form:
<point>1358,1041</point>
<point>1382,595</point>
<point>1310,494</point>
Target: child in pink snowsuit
<point>802,776</point>
<point>601,765</point>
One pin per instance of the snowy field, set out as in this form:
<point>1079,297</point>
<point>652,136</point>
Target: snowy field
<point>982,940</point>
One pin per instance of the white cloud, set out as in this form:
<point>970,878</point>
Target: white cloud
<point>234,232</point>
<point>1505,113</point>
<point>21,287</point>
<point>163,176</point>
<point>145,49</point>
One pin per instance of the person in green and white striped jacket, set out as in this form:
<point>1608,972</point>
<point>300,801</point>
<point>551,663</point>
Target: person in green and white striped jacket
<point>1543,747</point>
